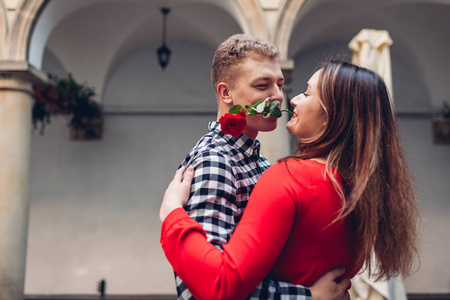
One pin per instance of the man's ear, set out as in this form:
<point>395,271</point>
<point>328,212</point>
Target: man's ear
<point>223,90</point>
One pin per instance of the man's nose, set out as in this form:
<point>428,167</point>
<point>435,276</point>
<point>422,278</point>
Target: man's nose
<point>277,94</point>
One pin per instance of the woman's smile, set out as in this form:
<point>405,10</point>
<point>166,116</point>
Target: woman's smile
<point>308,105</point>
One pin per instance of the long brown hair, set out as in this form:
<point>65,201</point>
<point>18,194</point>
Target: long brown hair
<point>361,142</point>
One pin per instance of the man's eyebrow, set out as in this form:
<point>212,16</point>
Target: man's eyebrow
<point>265,79</point>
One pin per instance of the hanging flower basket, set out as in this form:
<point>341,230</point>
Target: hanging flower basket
<point>67,97</point>
<point>441,126</point>
<point>87,129</point>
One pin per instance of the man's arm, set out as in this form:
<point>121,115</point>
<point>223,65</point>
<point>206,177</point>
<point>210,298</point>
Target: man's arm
<point>272,289</point>
<point>212,199</point>
<point>331,287</point>
<point>325,288</point>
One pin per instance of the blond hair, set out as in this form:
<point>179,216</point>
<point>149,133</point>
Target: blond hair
<point>230,54</point>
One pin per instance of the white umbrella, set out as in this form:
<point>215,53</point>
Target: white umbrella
<point>370,49</point>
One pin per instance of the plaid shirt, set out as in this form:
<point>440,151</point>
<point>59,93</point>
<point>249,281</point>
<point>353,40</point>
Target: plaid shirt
<point>226,170</point>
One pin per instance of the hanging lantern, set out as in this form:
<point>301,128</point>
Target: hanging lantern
<point>164,52</point>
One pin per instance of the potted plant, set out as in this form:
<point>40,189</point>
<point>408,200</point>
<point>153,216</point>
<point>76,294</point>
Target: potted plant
<point>68,97</point>
<point>441,125</point>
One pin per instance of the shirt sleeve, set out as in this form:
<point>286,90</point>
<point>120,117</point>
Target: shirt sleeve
<point>211,203</point>
<point>212,200</point>
<point>272,289</point>
<point>252,250</point>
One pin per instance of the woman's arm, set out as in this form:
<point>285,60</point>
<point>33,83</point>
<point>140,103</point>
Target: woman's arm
<point>251,252</point>
<point>177,193</point>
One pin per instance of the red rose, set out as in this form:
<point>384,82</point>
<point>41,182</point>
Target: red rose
<point>233,124</point>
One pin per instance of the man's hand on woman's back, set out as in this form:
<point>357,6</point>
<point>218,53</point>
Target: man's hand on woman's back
<point>327,287</point>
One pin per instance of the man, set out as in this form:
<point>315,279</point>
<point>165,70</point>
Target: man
<point>244,70</point>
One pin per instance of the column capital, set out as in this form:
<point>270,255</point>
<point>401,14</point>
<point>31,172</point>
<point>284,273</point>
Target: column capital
<point>22,70</point>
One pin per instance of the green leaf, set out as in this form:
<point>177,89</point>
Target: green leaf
<point>257,103</point>
<point>276,112</point>
<point>249,111</point>
<point>235,109</point>
<point>273,104</point>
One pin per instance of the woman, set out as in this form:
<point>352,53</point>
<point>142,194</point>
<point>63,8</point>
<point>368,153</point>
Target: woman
<point>329,205</point>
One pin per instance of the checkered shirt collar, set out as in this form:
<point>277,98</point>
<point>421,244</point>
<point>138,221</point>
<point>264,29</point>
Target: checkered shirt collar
<point>243,143</point>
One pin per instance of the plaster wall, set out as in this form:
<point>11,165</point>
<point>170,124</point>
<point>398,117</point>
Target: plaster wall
<point>431,166</point>
<point>94,205</point>
<point>137,81</point>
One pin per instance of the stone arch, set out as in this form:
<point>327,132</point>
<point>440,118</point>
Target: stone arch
<point>253,16</point>
<point>141,31</point>
<point>17,38</point>
<point>289,10</point>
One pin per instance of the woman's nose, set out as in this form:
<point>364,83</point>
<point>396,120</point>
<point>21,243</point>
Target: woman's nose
<point>293,101</point>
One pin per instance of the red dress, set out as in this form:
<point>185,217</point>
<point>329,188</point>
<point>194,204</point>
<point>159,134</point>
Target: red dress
<point>285,233</point>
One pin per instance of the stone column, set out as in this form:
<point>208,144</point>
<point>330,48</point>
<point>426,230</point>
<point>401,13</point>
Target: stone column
<point>16,80</point>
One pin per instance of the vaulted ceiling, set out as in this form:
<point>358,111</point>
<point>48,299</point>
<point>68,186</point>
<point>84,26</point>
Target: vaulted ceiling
<point>81,33</point>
